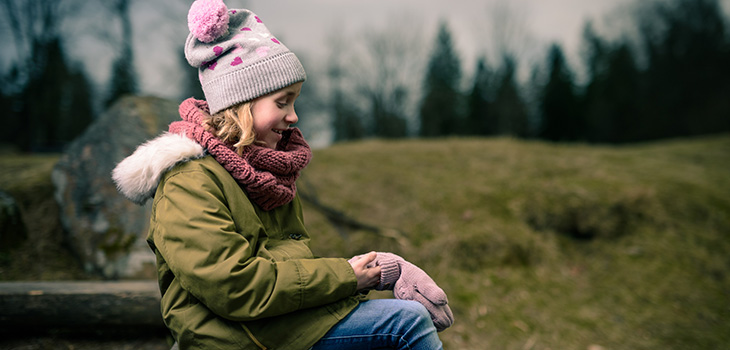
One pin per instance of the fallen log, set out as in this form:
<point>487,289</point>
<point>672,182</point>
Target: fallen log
<point>127,304</point>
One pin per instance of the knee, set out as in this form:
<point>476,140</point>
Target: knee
<point>414,311</point>
<point>417,327</point>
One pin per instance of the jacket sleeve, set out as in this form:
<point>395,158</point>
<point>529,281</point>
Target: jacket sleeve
<point>195,233</point>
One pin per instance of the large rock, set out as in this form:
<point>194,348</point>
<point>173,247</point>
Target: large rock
<point>104,229</point>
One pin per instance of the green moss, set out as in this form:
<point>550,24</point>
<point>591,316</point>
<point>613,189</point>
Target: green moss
<point>116,241</point>
<point>27,177</point>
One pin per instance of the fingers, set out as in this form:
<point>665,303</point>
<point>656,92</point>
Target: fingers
<point>373,274</point>
<point>363,260</point>
<point>369,258</point>
<point>367,277</point>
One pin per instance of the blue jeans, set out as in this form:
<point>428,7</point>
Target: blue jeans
<point>383,324</point>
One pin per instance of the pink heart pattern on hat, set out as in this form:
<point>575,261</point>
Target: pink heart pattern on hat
<point>276,41</point>
<point>236,61</point>
<point>263,51</point>
<point>218,50</point>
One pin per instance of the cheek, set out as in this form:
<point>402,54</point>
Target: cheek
<point>260,130</point>
<point>263,121</point>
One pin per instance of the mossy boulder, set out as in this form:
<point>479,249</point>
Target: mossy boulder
<point>103,228</point>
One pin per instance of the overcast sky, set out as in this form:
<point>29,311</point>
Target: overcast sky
<point>539,21</point>
<point>306,25</point>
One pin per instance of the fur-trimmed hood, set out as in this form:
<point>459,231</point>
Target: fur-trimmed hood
<point>138,175</point>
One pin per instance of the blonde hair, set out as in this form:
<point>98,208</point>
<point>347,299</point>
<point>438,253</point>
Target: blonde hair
<point>233,125</point>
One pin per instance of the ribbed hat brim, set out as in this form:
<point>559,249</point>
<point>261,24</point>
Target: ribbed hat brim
<point>253,81</point>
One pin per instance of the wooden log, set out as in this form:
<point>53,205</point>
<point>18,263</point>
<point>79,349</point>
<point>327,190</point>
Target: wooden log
<point>80,304</point>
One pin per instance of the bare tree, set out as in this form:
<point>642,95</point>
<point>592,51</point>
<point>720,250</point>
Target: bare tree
<point>385,68</point>
<point>32,25</point>
<point>507,34</point>
<point>345,120</point>
<point>509,30</point>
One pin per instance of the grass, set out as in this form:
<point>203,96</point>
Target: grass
<point>544,246</point>
<point>539,246</point>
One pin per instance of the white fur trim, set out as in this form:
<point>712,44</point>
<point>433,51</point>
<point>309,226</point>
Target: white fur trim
<point>138,175</point>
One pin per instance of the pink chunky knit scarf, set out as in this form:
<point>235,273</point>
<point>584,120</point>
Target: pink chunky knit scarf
<point>268,176</point>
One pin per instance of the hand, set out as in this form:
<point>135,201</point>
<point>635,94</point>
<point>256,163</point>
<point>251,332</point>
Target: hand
<point>367,277</point>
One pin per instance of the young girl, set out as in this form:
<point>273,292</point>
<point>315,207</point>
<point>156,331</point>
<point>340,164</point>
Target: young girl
<point>233,259</point>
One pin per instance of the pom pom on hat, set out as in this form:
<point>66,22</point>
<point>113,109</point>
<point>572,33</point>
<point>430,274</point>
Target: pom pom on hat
<point>208,19</point>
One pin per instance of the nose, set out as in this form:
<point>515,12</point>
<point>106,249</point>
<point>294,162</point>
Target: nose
<point>292,117</point>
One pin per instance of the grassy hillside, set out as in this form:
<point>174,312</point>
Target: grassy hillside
<point>539,246</point>
<point>543,246</point>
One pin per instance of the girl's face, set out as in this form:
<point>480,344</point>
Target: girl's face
<point>274,113</point>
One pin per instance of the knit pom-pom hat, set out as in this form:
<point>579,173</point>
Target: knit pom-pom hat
<point>238,59</point>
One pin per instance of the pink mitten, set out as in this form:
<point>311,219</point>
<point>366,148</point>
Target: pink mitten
<point>411,283</point>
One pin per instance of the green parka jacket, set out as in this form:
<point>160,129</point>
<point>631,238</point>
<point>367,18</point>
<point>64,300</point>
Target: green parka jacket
<point>233,276</point>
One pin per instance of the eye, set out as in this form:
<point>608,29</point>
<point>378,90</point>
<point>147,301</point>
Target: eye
<point>280,104</point>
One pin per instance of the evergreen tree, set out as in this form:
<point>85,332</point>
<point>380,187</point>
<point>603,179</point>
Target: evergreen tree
<point>347,123</point>
<point>533,93</point>
<point>78,111</point>
<point>688,75</point>
<point>440,106</point>
<point>511,116</point>
<point>613,92</point>
<point>480,108</point>
<point>559,103</point>
<point>389,123</point>
<point>55,105</point>
<point>124,80</point>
